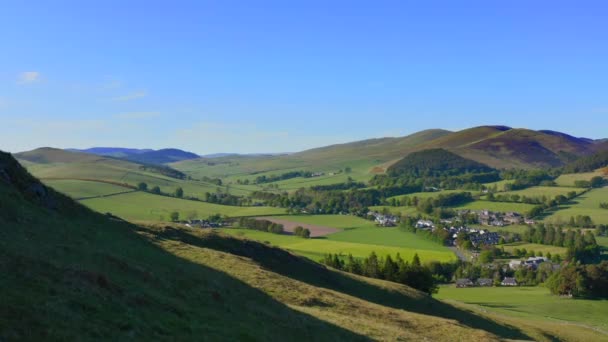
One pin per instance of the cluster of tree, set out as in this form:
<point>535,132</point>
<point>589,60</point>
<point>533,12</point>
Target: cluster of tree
<point>430,204</point>
<point>601,230</point>
<point>413,274</point>
<point>143,186</point>
<point>541,200</point>
<point>581,221</point>
<point>595,182</point>
<point>489,254</point>
<point>588,163</point>
<point>225,199</point>
<point>527,178</point>
<point>604,205</point>
<point>323,202</point>
<point>439,236</point>
<point>302,232</point>
<point>495,271</point>
<point>434,163</point>
<point>578,280</point>
<point>287,175</point>
<point>350,184</point>
<point>163,170</point>
<point>523,253</point>
<point>261,225</point>
<point>581,246</point>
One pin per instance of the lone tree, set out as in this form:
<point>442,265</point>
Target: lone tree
<point>179,192</point>
<point>142,186</point>
<point>174,216</point>
<point>155,190</point>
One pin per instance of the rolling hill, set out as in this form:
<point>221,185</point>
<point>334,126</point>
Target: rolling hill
<point>89,276</point>
<point>495,146</point>
<point>94,277</point>
<point>146,156</point>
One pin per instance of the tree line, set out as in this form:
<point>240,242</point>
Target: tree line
<point>261,225</point>
<point>413,274</point>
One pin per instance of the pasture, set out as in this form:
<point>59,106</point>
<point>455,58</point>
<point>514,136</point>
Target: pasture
<point>80,189</point>
<point>431,194</point>
<point>357,236</point>
<point>148,207</point>
<point>496,206</point>
<point>500,185</point>
<point>586,204</point>
<point>535,247</point>
<point>531,304</point>
<point>547,191</point>
<point>513,228</point>
<point>401,211</point>
<point>569,179</point>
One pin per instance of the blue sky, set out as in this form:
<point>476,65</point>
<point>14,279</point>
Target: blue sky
<point>275,76</point>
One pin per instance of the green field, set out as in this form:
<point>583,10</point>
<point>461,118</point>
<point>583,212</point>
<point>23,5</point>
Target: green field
<point>531,303</point>
<point>431,194</point>
<point>587,204</point>
<point>535,247</point>
<point>548,191</point>
<point>496,206</point>
<point>500,185</point>
<point>358,237</point>
<point>79,189</point>
<point>569,179</point>
<point>403,211</point>
<point>602,240</point>
<point>148,207</point>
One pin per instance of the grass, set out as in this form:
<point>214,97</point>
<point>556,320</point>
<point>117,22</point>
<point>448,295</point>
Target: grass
<point>315,249</point>
<point>500,185</point>
<point>586,204</point>
<point>535,247</point>
<point>496,206</point>
<point>431,194</point>
<point>602,241</point>
<point>402,211</point>
<point>148,207</point>
<point>87,277</point>
<point>358,237</point>
<point>548,191</point>
<point>535,305</point>
<point>569,179</point>
<point>515,228</point>
<point>79,189</point>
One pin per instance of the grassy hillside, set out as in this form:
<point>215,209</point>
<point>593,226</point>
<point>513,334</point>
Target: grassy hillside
<point>53,164</point>
<point>586,204</point>
<point>85,276</point>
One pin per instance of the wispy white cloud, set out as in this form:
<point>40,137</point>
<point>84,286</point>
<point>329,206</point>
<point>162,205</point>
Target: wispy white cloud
<point>132,96</point>
<point>28,77</point>
<point>137,115</point>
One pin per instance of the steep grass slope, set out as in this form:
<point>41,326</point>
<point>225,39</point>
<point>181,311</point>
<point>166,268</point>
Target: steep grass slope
<point>71,274</point>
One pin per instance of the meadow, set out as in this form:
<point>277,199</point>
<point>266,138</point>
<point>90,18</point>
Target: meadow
<point>548,191</point>
<point>149,207</point>
<point>431,194</point>
<point>531,304</point>
<point>80,189</point>
<point>569,179</point>
<point>586,204</point>
<point>358,237</point>
<point>500,185</point>
<point>535,247</point>
<point>496,206</point>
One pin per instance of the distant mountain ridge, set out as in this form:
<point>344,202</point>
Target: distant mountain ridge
<point>147,156</point>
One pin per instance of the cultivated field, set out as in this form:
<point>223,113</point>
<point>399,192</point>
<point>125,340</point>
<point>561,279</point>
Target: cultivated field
<point>587,204</point>
<point>535,247</point>
<point>148,207</point>
<point>535,306</point>
<point>356,236</point>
